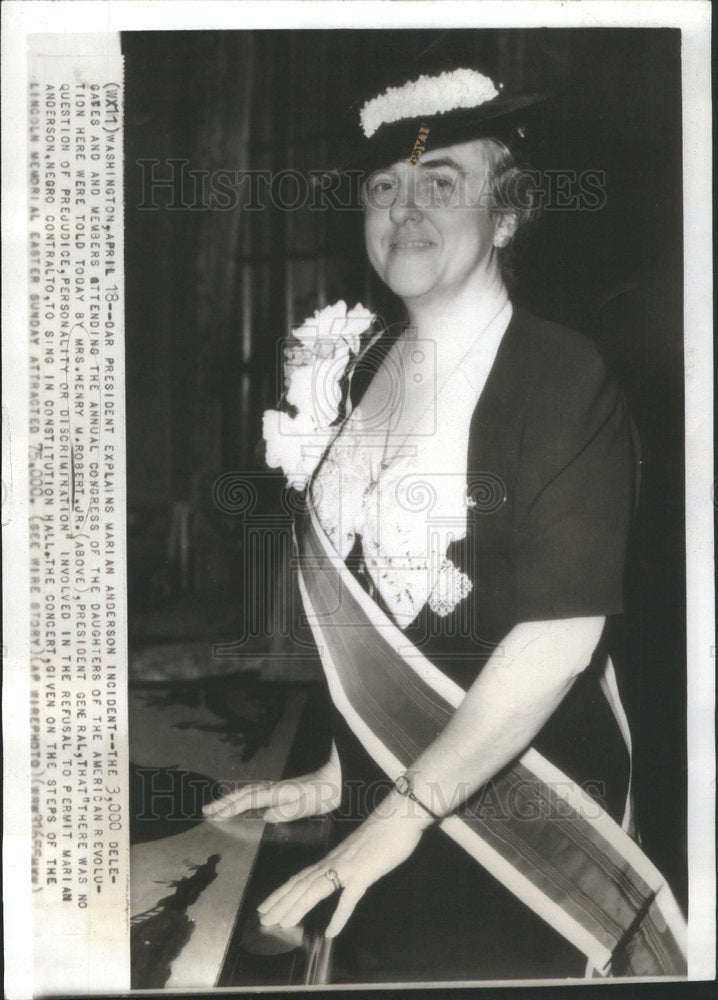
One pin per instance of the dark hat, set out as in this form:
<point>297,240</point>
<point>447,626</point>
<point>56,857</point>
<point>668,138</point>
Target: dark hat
<point>392,126</point>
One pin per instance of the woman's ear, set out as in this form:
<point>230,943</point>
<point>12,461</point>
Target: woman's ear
<point>505,229</point>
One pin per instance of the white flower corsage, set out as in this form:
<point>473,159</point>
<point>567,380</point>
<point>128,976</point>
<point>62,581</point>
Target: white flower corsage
<point>330,344</point>
<point>429,95</point>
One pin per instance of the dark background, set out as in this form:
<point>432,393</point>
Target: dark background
<point>210,293</point>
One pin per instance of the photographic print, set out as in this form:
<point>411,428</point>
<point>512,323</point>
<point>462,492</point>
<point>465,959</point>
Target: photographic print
<point>367,513</point>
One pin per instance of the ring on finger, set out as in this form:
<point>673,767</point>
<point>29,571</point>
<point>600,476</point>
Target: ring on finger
<point>331,874</point>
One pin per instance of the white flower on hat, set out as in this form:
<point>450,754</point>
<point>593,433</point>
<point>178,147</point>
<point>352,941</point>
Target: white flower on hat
<point>429,95</point>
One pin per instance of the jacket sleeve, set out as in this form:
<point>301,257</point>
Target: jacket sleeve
<point>576,492</point>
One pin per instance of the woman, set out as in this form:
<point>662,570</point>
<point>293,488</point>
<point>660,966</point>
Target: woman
<point>481,492</point>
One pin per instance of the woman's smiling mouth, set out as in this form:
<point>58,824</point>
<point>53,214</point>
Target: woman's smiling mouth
<point>411,244</point>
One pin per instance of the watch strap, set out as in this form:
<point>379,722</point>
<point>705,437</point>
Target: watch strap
<point>404,787</point>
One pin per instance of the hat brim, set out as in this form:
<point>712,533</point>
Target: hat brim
<point>394,141</point>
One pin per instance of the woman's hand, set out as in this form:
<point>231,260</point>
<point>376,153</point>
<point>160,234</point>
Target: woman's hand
<point>388,837</point>
<point>284,801</point>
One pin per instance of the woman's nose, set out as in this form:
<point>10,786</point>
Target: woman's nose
<point>404,208</point>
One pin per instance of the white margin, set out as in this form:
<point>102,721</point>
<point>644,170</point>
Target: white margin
<point>700,489</point>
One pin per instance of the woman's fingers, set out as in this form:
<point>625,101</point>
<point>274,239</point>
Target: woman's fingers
<point>285,888</point>
<point>285,801</point>
<point>345,907</point>
<point>287,813</point>
<point>301,896</point>
<point>255,796</point>
<point>367,854</point>
<point>290,904</point>
<point>292,909</point>
<point>290,806</point>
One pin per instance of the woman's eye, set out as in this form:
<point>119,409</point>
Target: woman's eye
<point>442,183</point>
<point>381,184</point>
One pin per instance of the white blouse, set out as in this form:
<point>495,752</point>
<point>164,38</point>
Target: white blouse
<point>395,474</point>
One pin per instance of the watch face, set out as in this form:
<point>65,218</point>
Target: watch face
<point>402,785</point>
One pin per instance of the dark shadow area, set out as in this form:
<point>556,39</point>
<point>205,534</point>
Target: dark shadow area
<point>158,936</point>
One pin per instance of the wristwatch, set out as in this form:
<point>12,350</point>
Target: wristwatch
<point>403,787</point>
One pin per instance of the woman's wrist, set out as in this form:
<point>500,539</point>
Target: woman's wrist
<point>399,808</point>
<point>405,785</point>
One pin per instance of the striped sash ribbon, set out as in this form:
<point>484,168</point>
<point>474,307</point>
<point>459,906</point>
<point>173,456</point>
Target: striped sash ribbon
<point>538,832</point>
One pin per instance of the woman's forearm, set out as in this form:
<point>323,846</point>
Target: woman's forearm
<point>517,691</point>
<point>515,694</point>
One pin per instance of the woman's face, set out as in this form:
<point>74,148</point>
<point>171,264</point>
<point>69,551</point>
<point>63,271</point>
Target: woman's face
<point>429,227</point>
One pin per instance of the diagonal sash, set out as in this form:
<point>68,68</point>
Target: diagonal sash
<point>539,833</point>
